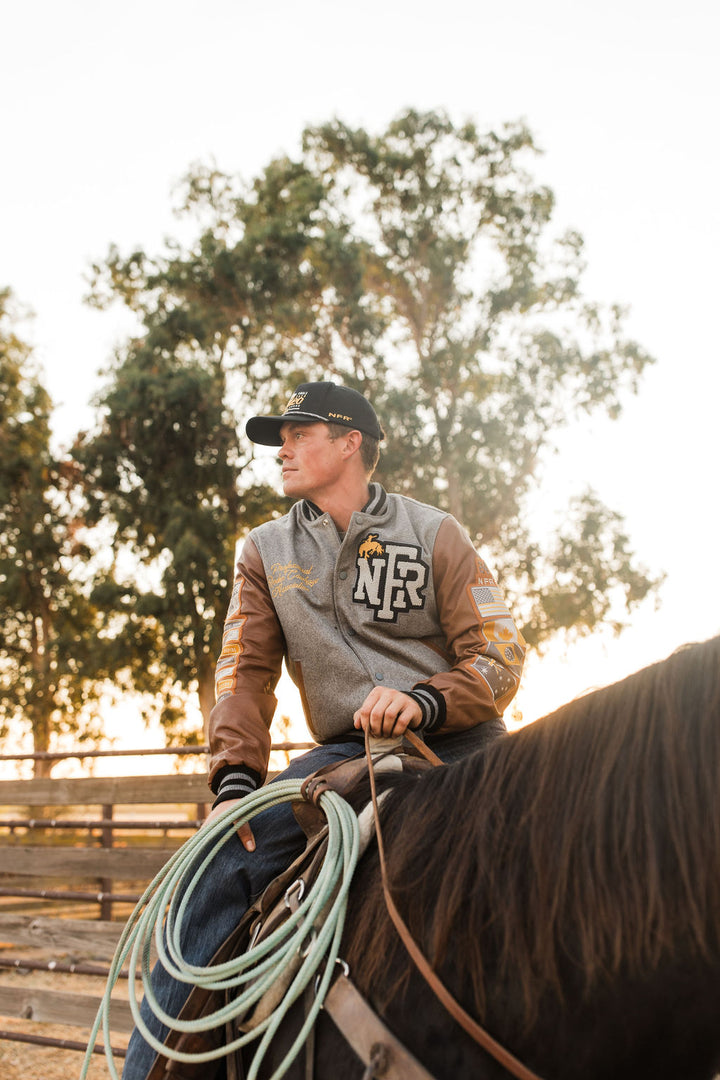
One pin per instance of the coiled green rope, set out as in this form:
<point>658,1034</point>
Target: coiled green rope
<point>309,937</point>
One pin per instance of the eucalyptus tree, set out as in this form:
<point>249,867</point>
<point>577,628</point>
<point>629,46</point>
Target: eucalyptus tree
<point>487,347</point>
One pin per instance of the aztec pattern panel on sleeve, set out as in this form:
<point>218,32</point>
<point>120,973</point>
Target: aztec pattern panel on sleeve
<point>232,647</point>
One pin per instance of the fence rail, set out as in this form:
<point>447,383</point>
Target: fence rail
<point>64,860</point>
<point>177,751</point>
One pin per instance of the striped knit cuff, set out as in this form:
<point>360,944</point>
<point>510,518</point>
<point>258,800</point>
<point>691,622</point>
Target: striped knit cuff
<point>234,782</point>
<point>432,703</point>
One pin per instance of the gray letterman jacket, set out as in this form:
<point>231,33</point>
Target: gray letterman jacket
<point>401,600</point>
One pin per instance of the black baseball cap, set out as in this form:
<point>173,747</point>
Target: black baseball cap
<point>315,401</point>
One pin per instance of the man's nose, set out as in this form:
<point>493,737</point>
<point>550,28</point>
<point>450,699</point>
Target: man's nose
<point>283,452</point>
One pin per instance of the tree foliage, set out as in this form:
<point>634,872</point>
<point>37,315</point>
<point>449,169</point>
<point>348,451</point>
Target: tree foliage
<point>419,266</point>
<point>53,664</point>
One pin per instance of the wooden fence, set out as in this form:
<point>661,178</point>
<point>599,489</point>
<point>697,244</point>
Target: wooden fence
<point>75,856</point>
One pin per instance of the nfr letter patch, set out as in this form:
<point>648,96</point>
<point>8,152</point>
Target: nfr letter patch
<point>391,578</point>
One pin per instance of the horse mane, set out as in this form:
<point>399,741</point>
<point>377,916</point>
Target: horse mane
<point>587,842</point>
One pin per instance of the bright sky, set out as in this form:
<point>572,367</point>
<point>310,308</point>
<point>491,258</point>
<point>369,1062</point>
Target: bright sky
<point>106,106</point>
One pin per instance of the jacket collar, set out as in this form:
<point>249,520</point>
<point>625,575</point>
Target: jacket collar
<point>375,504</point>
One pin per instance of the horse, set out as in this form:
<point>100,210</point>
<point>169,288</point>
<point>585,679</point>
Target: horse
<point>564,883</point>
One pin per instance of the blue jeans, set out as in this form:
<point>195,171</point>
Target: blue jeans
<point>236,877</point>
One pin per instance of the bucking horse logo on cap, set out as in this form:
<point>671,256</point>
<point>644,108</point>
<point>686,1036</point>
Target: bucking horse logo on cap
<point>296,400</point>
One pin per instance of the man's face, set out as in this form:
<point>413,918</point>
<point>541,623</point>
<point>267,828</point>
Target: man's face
<point>312,463</point>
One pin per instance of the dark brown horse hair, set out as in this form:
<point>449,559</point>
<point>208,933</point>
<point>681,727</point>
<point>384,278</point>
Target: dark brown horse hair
<point>588,841</point>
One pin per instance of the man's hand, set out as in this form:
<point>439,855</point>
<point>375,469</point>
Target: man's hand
<point>244,831</point>
<point>387,712</point>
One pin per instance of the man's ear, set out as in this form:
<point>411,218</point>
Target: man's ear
<point>353,441</point>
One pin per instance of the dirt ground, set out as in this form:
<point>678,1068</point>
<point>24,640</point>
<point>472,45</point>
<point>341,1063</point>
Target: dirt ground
<point>21,1061</point>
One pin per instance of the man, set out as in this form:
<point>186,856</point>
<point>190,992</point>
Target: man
<point>386,618</point>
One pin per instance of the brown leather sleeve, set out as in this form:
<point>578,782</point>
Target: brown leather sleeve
<point>248,671</point>
<point>485,647</point>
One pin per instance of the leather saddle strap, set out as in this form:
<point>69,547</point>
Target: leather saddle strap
<point>368,1035</point>
<point>455,1009</point>
<point>421,747</point>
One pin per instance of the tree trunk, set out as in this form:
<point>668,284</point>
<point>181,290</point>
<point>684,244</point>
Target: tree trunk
<point>206,693</point>
<point>455,497</point>
<point>42,767</point>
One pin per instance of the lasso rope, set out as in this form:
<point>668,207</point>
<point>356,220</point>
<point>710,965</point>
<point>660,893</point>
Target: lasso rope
<point>304,939</point>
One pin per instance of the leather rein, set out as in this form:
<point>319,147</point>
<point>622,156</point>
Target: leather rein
<point>453,1007</point>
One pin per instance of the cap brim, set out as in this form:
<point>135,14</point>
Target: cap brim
<point>266,429</point>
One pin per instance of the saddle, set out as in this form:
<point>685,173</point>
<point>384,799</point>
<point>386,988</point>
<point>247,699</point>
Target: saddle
<point>349,778</point>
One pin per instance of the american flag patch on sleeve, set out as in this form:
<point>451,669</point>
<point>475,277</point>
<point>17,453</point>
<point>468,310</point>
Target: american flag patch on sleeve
<point>489,602</point>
